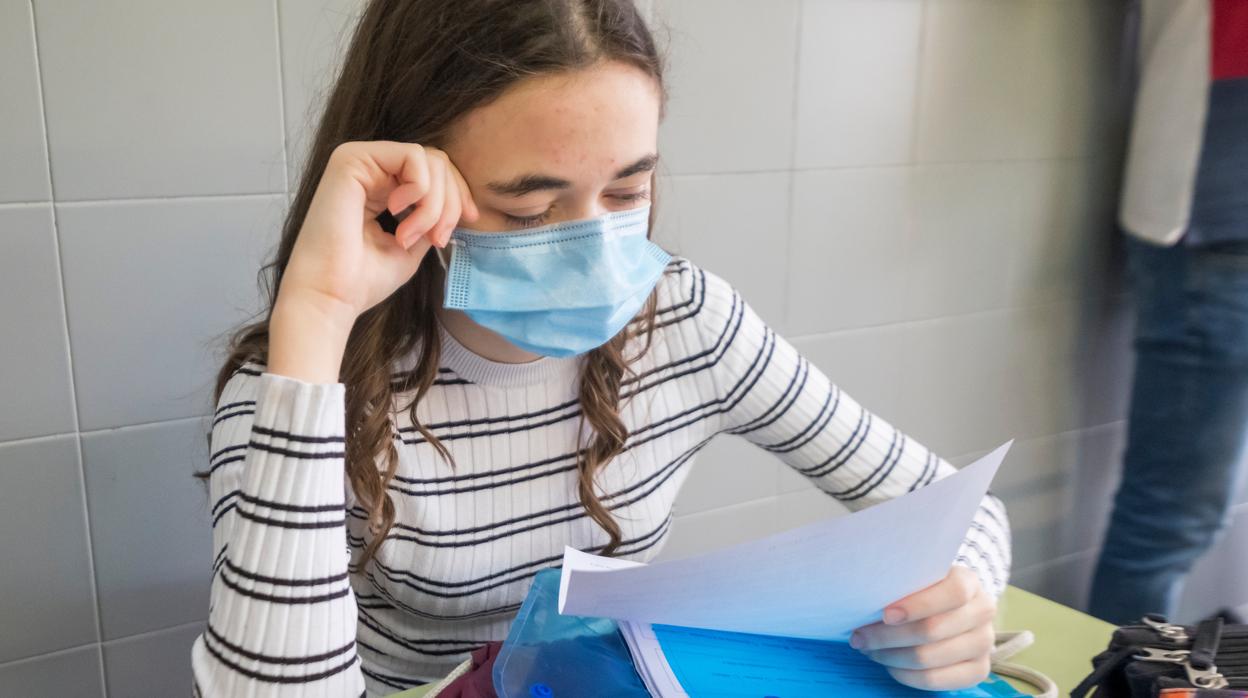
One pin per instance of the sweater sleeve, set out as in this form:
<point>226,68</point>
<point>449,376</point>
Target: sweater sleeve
<point>775,398</point>
<point>282,617</point>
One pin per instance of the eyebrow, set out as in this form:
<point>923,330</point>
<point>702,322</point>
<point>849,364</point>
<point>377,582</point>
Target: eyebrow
<point>528,183</point>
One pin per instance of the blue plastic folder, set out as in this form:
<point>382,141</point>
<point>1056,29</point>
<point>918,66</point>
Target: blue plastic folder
<point>720,664</point>
<point>565,656</point>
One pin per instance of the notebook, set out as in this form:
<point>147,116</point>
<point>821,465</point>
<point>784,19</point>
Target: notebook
<point>771,617</point>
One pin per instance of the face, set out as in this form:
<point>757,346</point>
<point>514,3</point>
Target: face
<point>560,148</point>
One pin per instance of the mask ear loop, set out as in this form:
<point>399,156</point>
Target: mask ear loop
<point>437,251</point>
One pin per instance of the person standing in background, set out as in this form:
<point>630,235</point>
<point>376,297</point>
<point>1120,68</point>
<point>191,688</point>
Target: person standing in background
<point>1184,209</point>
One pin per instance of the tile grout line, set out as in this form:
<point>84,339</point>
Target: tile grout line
<point>51,655</point>
<point>151,633</point>
<point>791,190</point>
<point>124,201</point>
<point>281,95</point>
<point>29,440</point>
<point>1038,305</point>
<point>817,169</point>
<point>916,113</point>
<point>99,645</point>
<point>73,392</point>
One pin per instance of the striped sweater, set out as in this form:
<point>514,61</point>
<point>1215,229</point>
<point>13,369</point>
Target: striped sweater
<point>291,615</point>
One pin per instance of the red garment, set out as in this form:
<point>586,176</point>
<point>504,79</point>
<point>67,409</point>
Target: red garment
<point>477,682</point>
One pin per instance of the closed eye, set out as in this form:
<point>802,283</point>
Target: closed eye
<point>527,221</point>
<point>540,218</point>
<point>635,196</point>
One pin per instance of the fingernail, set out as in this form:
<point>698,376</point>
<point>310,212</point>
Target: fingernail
<point>855,641</point>
<point>893,616</point>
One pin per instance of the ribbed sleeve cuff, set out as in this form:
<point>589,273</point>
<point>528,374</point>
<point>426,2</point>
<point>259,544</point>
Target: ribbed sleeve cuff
<point>299,407</point>
<point>986,549</point>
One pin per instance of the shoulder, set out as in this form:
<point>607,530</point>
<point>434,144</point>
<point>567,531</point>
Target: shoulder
<point>696,310</point>
<point>690,292</point>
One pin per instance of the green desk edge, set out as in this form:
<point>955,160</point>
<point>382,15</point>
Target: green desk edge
<point>1066,640</point>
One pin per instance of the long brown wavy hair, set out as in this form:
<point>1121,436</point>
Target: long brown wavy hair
<point>412,69</point>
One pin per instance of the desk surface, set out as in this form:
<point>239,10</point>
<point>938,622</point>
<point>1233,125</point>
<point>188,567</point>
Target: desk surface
<point>1066,640</point>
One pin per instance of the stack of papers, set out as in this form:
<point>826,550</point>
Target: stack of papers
<point>772,616</point>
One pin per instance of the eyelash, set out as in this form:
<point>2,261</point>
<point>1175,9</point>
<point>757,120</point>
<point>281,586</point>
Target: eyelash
<point>530,221</point>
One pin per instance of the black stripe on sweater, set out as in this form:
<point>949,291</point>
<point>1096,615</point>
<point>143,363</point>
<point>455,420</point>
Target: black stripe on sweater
<point>279,660</point>
<point>738,316</point>
<point>232,405</point>
<point>282,581</point>
<point>278,678</point>
<point>413,645</point>
<point>301,438</point>
<point>687,299</point>
<point>392,603</point>
<point>229,415</point>
<point>278,523</point>
<point>572,407</point>
<point>220,558</point>
<point>896,447</point>
<point>929,463</point>
<point>847,450</point>
<point>775,411</point>
<point>989,567</point>
<point>992,539</point>
<point>228,449</point>
<point>225,504</point>
<point>719,406</point>
<point>517,573</point>
<point>662,474</point>
<point>287,600</point>
<point>654,480</point>
<point>303,455</point>
<point>831,401</point>
<point>390,681</point>
<point>226,461</point>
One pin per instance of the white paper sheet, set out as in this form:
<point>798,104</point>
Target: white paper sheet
<point>818,581</point>
<point>650,662</point>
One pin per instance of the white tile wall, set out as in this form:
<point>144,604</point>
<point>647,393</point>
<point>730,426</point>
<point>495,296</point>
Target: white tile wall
<point>732,85</point>
<point>147,98</point>
<point>855,92</point>
<point>314,34</point>
<point>25,174</point>
<point>1026,79</point>
<point>33,305</point>
<point>209,250</point>
<point>716,218</point>
<point>918,193</point>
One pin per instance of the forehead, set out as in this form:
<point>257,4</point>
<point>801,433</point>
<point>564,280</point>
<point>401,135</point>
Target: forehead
<point>577,125</point>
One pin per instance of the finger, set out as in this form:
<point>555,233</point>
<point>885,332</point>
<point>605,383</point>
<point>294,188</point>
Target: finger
<point>979,611</point>
<point>956,589</point>
<point>441,232</point>
<point>973,644</point>
<point>947,678</point>
<point>428,210</point>
<point>406,195</point>
<point>469,206</point>
<point>376,165</point>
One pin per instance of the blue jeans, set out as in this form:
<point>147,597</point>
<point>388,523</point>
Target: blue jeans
<point>1186,431</point>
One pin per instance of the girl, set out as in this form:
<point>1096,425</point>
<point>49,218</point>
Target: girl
<point>516,369</point>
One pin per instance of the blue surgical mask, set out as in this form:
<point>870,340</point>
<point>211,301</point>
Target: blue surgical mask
<point>557,290</point>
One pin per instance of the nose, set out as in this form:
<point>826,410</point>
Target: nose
<point>581,210</point>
